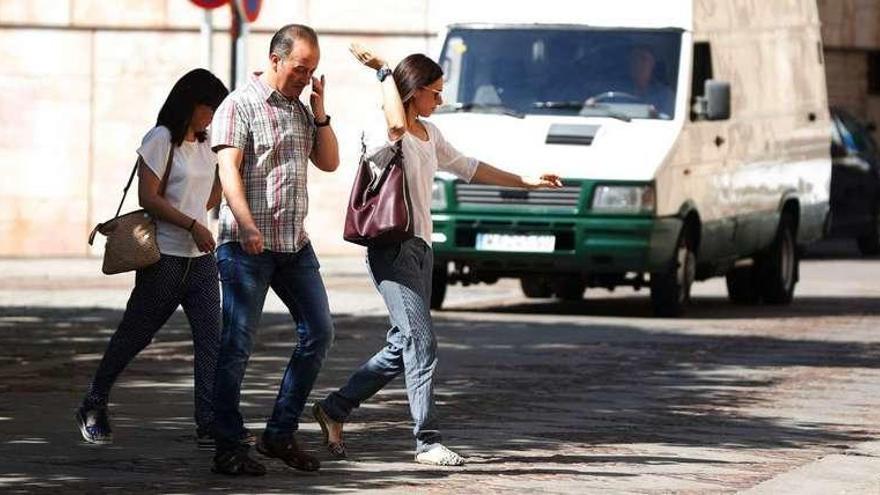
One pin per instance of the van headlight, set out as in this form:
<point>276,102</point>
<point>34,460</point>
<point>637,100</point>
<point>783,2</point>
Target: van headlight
<point>624,198</point>
<point>438,195</point>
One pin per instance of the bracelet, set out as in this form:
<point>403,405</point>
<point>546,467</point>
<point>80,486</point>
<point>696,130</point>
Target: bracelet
<point>191,225</point>
<point>323,124</point>
<point>383,72</point>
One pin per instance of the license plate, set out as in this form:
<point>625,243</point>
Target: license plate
<point>516,243</point>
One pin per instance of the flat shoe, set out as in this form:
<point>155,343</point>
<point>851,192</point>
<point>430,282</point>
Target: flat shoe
<point>336,449</point>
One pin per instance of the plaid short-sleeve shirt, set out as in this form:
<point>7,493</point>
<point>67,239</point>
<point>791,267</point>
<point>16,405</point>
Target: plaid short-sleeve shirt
<point>276,136</point>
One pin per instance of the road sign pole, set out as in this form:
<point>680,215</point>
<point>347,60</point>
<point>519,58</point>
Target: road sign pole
<point>207,32</point>
<point>234,30</point>
<point>241,66</point>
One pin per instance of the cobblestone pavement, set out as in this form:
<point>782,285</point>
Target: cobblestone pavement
<point>541,396</point>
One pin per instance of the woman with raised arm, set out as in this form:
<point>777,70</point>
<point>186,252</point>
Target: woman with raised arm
<point>402,271</point>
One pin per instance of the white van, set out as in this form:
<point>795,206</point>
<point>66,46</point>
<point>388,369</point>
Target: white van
<point>692,135</point>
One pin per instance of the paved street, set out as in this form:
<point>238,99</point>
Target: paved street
<point>541,396</point>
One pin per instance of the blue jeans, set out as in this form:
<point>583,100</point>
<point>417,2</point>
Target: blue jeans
<point>246,279</point>
<point>402,273</point>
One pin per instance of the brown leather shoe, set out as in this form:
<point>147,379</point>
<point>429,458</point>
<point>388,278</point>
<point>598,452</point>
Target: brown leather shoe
<point>236,463</point>
<point>288,451</point>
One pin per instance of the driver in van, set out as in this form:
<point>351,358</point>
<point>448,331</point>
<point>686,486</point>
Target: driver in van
<point>644,85</point>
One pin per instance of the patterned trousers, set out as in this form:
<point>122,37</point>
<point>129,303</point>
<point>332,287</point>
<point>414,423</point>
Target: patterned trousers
<point>159,289</point>
<point>402,273</point>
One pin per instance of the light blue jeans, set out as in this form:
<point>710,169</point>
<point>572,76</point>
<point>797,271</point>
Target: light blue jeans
<point>402,273</point>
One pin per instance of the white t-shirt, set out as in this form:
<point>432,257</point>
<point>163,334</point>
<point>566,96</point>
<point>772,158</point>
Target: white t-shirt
<point>189,186</point>
<point>421,159</point>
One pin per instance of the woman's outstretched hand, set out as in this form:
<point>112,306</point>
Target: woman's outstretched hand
<point>548,181</point>
<point>366,57</point>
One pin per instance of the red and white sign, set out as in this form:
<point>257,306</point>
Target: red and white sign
<point>249,9</point>
<point>210,4</point>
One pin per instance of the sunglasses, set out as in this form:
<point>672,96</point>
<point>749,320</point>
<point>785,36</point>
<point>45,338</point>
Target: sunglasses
<point>437,92</point>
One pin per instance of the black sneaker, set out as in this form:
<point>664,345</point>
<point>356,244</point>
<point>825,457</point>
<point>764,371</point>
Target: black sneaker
<point>94,425</point>
<point>205,439</point>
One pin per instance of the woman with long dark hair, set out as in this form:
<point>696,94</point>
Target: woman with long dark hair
<point>402,271</point>
<point>186,273</point>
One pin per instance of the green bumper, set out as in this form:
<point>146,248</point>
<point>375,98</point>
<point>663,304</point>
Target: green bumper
<point>584,244</point>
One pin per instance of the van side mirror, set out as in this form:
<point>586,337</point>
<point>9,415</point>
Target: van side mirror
<point>717,100</point>
<point>715,104</point>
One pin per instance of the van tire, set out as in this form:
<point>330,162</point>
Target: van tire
<point>869,244</point>
<point>778,268</point>
<point>671,289</point>
<point>569,288</point>
<point>439,281</point>
<point>742,285</point>
<point>535,287</point>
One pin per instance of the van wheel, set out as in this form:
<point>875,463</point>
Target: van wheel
<point>569,288</point>
<point>439,280</point>
<point>671,290</point>
<point>742,285</point>
<point>869,244</point>
<point>535,287</point>
<point>778,267</point>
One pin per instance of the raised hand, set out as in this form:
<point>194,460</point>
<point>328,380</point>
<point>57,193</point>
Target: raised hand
<point>366,57</point>
<point>316,98</point>
<point>545,181</point>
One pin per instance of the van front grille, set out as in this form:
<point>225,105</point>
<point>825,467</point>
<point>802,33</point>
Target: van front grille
<point>482,195</point>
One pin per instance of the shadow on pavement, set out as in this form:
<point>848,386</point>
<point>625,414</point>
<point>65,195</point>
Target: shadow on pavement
<point>520,398</point>
<point>701,308</point>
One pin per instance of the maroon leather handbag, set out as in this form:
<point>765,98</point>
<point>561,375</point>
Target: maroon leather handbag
<point>379,209</point>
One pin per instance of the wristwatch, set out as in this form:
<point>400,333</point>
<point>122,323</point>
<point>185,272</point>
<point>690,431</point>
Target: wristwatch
<point>323,124</point>
<point>383,72</point>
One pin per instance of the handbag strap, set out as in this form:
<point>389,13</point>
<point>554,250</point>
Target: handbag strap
<point>162,186</point>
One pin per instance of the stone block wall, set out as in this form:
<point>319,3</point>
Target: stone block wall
<point>83,80</point>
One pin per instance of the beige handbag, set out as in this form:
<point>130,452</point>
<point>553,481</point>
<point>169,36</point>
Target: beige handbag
<point>131,238</point>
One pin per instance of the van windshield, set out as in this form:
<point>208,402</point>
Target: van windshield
<point>562,70</point>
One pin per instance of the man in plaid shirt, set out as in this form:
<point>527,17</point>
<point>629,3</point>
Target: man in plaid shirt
<point>264,138</point>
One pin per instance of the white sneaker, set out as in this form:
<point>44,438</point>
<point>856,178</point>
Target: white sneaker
<point>439,455</point>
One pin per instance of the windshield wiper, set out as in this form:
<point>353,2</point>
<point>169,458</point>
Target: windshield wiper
<point>604,110</point>
<point>480,108</point>
<point>566,105</point>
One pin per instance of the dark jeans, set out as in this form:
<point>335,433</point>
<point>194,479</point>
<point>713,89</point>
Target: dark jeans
<point>245,280</point>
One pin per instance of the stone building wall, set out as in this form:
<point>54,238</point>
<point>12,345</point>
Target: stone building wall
<point>851,34</point>
<point>83,80</point>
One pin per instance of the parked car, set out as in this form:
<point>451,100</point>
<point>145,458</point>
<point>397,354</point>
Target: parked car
<point>855,182</point>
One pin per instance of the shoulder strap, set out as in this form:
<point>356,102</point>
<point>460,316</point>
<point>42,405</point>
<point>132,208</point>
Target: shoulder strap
<point>398,152</point>
<point>162,185</point>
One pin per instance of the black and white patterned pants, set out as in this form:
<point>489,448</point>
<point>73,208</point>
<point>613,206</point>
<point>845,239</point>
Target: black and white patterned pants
<point>159,289</point>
